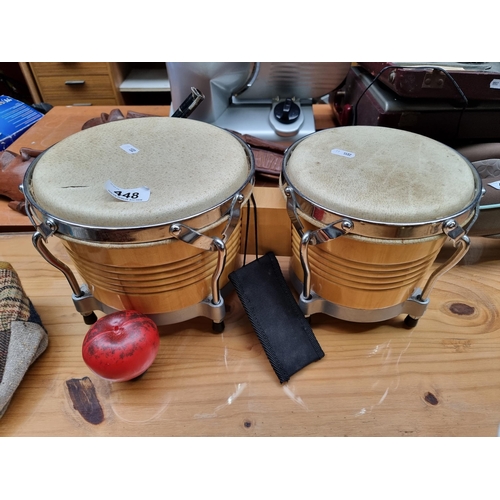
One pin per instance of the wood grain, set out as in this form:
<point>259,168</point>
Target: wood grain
<point>98,85</point>
<point>440,379</point>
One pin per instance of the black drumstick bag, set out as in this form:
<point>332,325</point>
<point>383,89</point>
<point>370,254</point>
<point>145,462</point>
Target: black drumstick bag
<point>280,325</point>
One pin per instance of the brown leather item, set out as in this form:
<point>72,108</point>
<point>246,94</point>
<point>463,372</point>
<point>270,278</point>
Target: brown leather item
<point>114,115</point>
<point>267,162</point>
<point>12,169</point>
<point>18,206</point>
<point>268,155</point>
<point>255,142</point>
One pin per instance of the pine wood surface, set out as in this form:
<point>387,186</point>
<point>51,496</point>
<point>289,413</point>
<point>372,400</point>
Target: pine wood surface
<point>441,378</point>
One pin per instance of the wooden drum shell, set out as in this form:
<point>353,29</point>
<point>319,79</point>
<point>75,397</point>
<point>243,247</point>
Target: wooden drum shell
<point>153,278</point>
<point>367,273</point>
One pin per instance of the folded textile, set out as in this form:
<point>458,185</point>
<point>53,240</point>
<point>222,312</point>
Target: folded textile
<point>22,335</point>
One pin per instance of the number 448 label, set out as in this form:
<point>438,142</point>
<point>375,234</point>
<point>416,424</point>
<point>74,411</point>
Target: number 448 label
<point>133,195</point>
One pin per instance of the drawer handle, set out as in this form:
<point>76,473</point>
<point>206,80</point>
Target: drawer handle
<point>74,82</point>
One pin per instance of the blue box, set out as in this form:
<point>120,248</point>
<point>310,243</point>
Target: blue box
<point>15,118</point>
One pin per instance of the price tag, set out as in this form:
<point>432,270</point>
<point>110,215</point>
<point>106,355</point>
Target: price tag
<point>128,148</point>
<point>495,84</point>
<point>341,152</point>
<point>133,195</point>
<point>495,184</point>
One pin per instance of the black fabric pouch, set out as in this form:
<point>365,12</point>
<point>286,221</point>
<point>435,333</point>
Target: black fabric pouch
<point>280,325</point>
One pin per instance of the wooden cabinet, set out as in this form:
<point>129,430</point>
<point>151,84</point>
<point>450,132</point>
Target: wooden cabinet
<point>78,83</point>
<point>100,83</point>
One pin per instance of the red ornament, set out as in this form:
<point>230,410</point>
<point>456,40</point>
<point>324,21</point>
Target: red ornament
<point>121,345</point>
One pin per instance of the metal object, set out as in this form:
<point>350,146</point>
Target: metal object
<point>243,96</point>
<point>189,105</point>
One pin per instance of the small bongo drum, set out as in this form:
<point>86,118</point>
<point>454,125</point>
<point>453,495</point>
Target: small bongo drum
<point>149,210</point>
<point>371,207</point>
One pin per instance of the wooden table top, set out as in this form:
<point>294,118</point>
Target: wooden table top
<point>441,378</point>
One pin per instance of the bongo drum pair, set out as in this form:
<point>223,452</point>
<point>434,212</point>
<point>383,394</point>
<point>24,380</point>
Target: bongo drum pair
<point>149,211</point>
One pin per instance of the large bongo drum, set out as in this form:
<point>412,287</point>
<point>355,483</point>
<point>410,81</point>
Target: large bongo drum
<point>149,210</point>
<point>371,208</point>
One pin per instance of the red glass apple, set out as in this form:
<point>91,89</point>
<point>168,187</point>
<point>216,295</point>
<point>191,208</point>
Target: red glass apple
<point>121,345</point>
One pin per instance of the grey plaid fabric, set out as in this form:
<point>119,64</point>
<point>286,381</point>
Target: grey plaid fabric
<point>22,336</point>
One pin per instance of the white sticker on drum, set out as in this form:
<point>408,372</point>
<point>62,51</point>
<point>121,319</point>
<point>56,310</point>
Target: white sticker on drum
<point>128,148</point>
<point>134,195</point>
<point>495,84</point>
<point>341,152</point>
<point>495,184</point>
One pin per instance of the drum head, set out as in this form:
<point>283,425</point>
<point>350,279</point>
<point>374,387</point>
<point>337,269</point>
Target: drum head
<point>188,166</point>
<point>380,174</point>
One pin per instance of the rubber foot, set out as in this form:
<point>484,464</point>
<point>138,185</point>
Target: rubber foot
<point>218,327</point>
<point>410,322</point>
<point>90,319</point>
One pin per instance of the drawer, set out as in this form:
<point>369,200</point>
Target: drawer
<point>76,89</point>
<point>65,68</point>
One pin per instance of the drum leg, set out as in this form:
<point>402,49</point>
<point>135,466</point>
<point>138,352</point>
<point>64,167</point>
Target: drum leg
<point>462,243</point>
<point>79,294</point>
